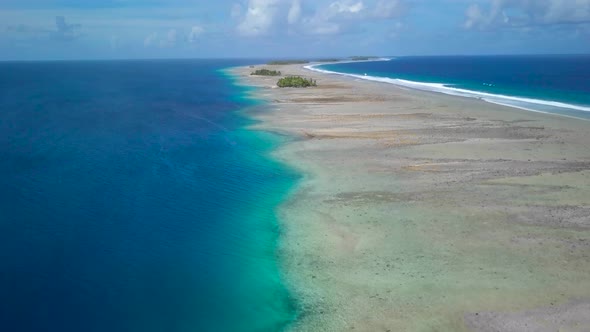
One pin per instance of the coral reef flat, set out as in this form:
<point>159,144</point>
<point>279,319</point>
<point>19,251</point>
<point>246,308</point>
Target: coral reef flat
<point>421,211</point>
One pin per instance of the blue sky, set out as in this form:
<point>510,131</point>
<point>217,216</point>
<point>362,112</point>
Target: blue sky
<point>94,29</point>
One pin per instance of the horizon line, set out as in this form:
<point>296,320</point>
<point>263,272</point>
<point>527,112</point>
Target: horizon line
<point>307,58</point>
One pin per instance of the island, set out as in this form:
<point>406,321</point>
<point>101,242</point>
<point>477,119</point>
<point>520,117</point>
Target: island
<point>363,58</point>
<point>419,211</point>
<point>287,62</point>
<point>296,82</point>
<point>266,72</point>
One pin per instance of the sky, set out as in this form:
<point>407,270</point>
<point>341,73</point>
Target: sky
<point>124,29</point>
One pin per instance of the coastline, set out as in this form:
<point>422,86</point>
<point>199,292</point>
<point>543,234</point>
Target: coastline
<point>419,211</point>
<point>522,99</point>
<point>280,307</point>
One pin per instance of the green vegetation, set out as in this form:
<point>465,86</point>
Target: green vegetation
<point>328,60</point>
<point>288,62</point>
<point>266,72</point>
<point>362,58</point>
<point>295,82</point>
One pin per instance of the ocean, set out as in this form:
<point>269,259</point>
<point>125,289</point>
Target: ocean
<point>557,84</point>
<point>134,198</point>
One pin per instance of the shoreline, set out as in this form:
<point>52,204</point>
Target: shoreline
<point>279,305</point>
<point>418,211</point>
<point>448,89</point>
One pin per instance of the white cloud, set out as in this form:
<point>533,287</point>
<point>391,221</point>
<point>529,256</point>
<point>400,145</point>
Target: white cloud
<point>474,16</point>
<point>527,13</point>
<point>259,18</point>
<point>347,7</point>
<point>170,40</point>
<point>294,12</point>
<point>196,31</point>
<point>151,40</point>
<point>64,30</point>
<point>389,8</point>
<point>333,18</point>
<point>320,18</point>
<point>173,37</point>
<point>568,11</point>
<point>346,15</point>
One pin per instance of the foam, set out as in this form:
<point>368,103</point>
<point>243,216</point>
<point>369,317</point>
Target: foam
<point>529,104</point>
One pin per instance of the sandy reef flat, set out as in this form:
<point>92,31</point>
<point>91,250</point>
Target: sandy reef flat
<point>420,211</point>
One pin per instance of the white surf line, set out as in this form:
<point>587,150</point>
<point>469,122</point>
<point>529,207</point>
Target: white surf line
<point>442,88</point>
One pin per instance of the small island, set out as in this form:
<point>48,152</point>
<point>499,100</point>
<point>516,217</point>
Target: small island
<point>295,82</point>
<point>328,60</point>
<point>266,72</point>
<point>287,62</point>
<point>362,58</point>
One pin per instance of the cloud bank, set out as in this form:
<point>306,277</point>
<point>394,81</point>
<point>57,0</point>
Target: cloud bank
<point>266,17</point>
<point>527,13</point>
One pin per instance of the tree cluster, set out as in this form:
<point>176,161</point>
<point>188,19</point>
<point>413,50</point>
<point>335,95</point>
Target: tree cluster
<point>295,82</point>
<point>266,72</point>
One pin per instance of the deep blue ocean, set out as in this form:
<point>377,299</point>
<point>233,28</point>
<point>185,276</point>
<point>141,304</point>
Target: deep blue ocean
<point>134,198</point>
<point>558,84</point>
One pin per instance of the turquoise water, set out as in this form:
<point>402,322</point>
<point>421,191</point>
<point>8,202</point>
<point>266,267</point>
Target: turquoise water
<point>558,84</point>
<point>134,198</point>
